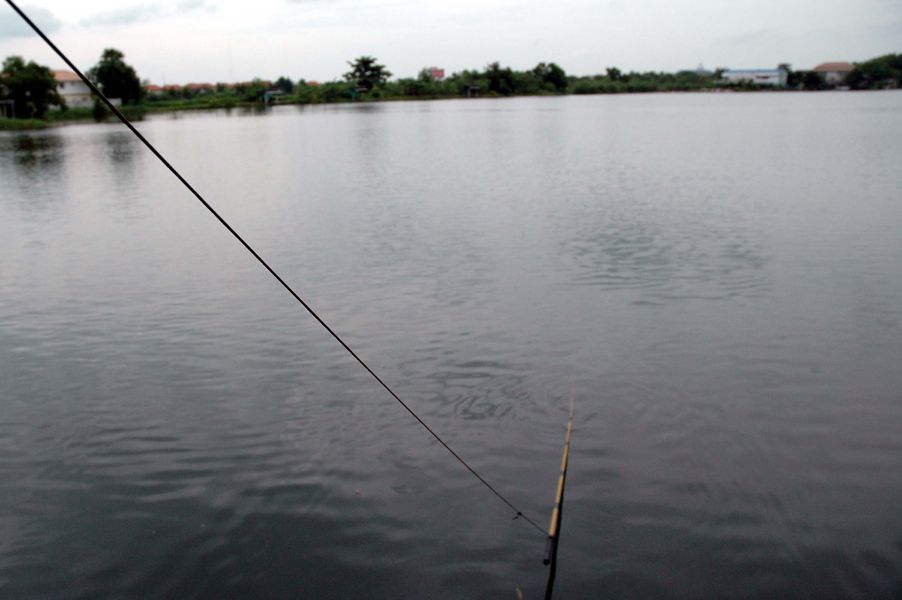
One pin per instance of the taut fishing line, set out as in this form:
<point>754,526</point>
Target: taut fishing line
<point>272,271</point>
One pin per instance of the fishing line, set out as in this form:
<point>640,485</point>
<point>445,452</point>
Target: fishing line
<point>272,271</point>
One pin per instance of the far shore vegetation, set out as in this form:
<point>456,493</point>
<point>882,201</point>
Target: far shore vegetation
<point>30,99</point>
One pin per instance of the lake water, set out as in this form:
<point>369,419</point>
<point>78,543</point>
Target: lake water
<point>716,279</point>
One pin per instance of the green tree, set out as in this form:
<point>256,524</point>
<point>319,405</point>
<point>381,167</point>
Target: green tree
<point>552,75</point>
<point>614,74</point>
<point>423,85</point>
<point>99,110</point>
<point>31,86</point>
<point>812,81</point>
<point>367,73</point>
<point>116,78</point>
<point>336,91</point>
<point>306,94</point>
<point>877,72</point>
<point>253,91</point>
<point>500,80</point>
<point>284,84</point>
<point>793,78</point>
<point>528,82</point>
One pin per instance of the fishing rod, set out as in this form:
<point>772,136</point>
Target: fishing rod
<point>554,528</point>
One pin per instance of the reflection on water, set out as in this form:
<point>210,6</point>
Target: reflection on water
<point>34,152</point>
<point>34,171</point>
<point>715,278</point>
<point>120,157</point>
<point>121,147</point>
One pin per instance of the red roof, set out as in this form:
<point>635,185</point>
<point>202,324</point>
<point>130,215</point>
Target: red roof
<point>62,76</point>
<point>841,67</point>
<point>153,88</point>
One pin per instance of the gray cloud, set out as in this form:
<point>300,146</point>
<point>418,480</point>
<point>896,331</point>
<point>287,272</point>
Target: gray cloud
<point>12,25</point>
<point>122,16</point>
<point>145,12</point>
<point>184,6</point>
<point>315,38</point>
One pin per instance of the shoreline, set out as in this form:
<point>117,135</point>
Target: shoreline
<point>137,112</point>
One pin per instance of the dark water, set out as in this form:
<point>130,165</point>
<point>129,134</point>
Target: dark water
<point>717,280</point>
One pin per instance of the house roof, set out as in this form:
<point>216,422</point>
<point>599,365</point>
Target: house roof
<point>62,76</point>
<point>842,67</point>
<point>752,71</point>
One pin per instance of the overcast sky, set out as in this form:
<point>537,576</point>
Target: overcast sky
<point>180,41</point>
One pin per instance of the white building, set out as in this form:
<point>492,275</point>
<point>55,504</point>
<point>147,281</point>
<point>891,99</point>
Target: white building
<point>73,90</point>
<point>771,77</point>
<point>833,73</point>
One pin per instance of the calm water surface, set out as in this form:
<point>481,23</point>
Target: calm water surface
<point>717,280</point>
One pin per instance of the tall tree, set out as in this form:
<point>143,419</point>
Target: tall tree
<point>793,78</point>
<point>552,74</point>
<point>500,79</point>
<point>117,79</point>
<point>30,86</point>
<point>367,73</point>
<point>284,84</point>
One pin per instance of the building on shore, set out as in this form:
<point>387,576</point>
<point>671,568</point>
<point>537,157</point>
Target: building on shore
<point>833,73</point>
<point>199,88</point>
<point>701,71</point>
<point>73,90</point>
<point>764,77</point>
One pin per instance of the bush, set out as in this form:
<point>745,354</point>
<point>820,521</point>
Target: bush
<point>132,112</point>
<point>21,124</point>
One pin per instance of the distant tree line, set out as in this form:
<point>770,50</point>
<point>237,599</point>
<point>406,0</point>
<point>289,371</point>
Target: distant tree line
<point>33,89</point>
<point>367,79</point>
<point>877,73</point>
